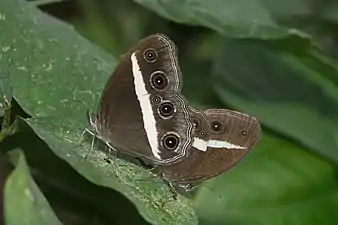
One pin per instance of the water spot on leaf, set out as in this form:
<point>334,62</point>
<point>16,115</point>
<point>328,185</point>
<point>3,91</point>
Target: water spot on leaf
<point>22,68</point>
<point>29,194</point>
<point>5,48</point>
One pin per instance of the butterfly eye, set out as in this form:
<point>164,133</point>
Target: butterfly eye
<point>170,141</point>
<point>150,55</point>
<point>216,126</point>
<point>166,109</point>
<point>244,133</point>
<point>156,99</point>
<point>158,80</point>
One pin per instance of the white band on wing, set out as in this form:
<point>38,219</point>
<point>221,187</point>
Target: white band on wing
<point>200,144</point>
<point>146,108</point>
<point>223,144</point>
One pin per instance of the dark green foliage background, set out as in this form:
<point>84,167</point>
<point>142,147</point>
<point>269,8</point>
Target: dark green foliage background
<point>276,60</point>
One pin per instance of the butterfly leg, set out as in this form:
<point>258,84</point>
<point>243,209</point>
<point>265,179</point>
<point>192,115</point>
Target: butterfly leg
<point>173,194</point>
<point>92,144</point>
<point>86,130</point>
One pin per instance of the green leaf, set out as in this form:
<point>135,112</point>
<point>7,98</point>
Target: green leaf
<point>65,188</point>
<point>5,88</point>
<point>151,196</point>
<point>330,12</point>
<point>24,203</point>
<point>241,18</point>
<point>278,183</point>
<point>61,74</point>
<point>53,69</point>
<point>293,94</point>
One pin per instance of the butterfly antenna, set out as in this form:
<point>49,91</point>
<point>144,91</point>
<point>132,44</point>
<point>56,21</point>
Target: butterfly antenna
<point>89,113</point>
<point>212,190</point>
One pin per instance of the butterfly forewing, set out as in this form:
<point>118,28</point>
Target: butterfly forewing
<point>141,110</point>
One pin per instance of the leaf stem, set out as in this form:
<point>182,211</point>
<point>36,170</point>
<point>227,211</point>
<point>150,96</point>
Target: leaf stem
<point>7,128</point>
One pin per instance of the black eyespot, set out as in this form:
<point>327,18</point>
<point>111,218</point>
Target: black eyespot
<point>202,133</point>
<point>158,80</point>
<point>196,123</point>
<point>244,133</point>
<point>150,55</point>
<point>216,126</point>
<point>170,141</point>
<point>156,99</point>
<point>166,109</point>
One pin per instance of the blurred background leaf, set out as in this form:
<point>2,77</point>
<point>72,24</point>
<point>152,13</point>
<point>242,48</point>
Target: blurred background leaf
<point>275,60</point>
<point>290,186</point>
<point>226,17</point>
<point>22,195</point>
<point>283,89</point>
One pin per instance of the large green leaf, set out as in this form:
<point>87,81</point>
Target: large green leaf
<point>278,183</point>
<point>151,196</point>
<point>56,72</point>
<point>53,69</point>
<point>296,95</point>
<point>241,18</point>
<point>330,11</point>
<point>24,204</point>
<point>68,190</point>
